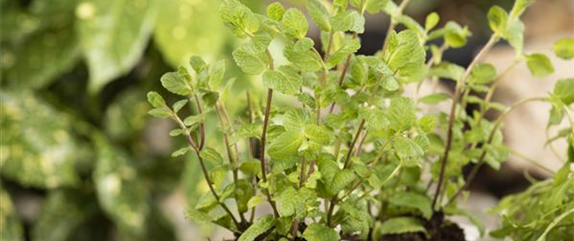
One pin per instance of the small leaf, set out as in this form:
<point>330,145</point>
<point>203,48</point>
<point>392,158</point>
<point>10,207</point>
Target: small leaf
<point>434,98</point>
<point>193,119</point>
<point>319,15</point>
<point>254,201</point>
<point>483,74</point>
<point>564,48</point>
<point>349,47</point>
<point>401,113</point>
<point>197,64</point>
<point>318,134</point>
<point>295,120</point>
<point>239,18</point>
<point>564,90</point>
<point>174,84</point>
<point>319,232</point>
<point>402,225</point>
<point>286,145</point>
<point>211,155</point>
<point>539,65</point>
<point>161,112</point>
<point>177,132</point>
<point>178,105</point>
<point>497,19</point>
<point>275,11</point>
<point>286,80</point>
<point>306,60</point>
<point>375,118</point>
<point>295,23</point>
<point>349,20</point>
<point>180,152</point>
<point>407,149</point>
<point>431,21</point>
<point>155,99</point>
<point>249,62</point>
<point>257,228</point>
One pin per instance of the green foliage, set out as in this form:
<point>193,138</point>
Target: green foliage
<point>352,140</point>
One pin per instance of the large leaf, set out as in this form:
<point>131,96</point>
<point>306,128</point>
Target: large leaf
<point>186,28</point>
<point>62,213</point>
<point>122,195</point>
<point>286,145</point>
<point>37,148</point>
<point>113,35</point>
<point>402,225</point>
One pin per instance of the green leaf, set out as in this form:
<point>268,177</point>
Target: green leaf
<point>497,19</point>
<point>175,84</point>
<point>286,145</point>
<point>405,55</point>
<point>42,57</point>
<point>257,228</point>
<point>121,194</point>
<point>37,144</point>
<point>448,70</point>
<point>161,112</point>
<point>62,214</point>
<point>427,123</point>
<point>564,48</point>
<point>539,65</point>
<point>286,80</point>
<point>295,120</point>
<point>431,21</point>
<point>304,59</point>
<point>250,62</point>
<point>482,74</point>
<point>349,47</point>
<point>349,20</point>
<point>359,70</point>
<point>112,49</point>
<point>193,119</point>
<point>374,6</point>
<point>211,155</point>
<point>407,149</point>
<point>319,232</point>
<point>402,225</point>
<point>434,98</point>
<point>519,7</point>
<point>401,113</point>
<point>475,220</point>
<point>216,74</point>
<point>12,229</point>
<point>155,99</point>
<point>375,119</point>
<point>178,105</point>
<point>515,35</point>
<point>564,90</point>
<point>413,200</point>
<point>275,11</point>
<point>239,18</point>
<point>180,151</point>
<point>319,15</point>
<point>294,23</point>
<point>318,134</point>
<point>184,29</point>
<point>197,64</point>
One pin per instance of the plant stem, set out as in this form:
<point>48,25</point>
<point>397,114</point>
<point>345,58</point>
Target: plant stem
<point>554,223</point>
<point>352,146</point>
<point>493,39</point>
<point>264,140</point>
<point>201,125</point>
<point>206,176</point>
<point>343,73</point>
<point>481,161</point>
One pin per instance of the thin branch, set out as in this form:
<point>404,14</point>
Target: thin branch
<point>352,146</point>
<point>201,125</point>
<point>206,176</point>
<point>493,39</point>
<point>491,135</point>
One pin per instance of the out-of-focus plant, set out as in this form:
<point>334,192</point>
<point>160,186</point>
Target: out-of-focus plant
<point>355,173</point>
<point>74,128</point>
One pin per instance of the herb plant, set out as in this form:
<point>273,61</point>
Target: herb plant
<point>347,161</point>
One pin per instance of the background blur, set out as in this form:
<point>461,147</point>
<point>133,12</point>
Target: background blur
<point>81,160</point>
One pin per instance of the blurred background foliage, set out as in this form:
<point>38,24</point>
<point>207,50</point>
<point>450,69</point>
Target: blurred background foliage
<point>79,157</point>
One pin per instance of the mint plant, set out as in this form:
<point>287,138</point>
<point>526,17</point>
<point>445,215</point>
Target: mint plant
<point>347,161</point>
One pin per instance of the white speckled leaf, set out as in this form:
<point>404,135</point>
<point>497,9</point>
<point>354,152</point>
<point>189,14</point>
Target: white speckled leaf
<point>113,35</point>
<point>120,193</point>
<point>185,28</point>
<point>36,148</point>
